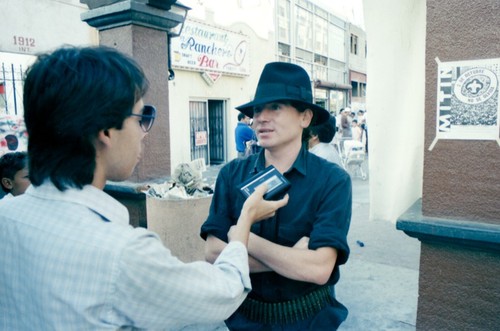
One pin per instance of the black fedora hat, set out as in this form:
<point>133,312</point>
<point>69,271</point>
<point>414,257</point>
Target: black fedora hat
<point>283,81</point>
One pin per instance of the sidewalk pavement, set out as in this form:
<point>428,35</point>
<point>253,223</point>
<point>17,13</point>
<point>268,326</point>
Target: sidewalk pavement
<point>379,282</point>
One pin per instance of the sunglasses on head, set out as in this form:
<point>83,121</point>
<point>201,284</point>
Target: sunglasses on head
<point>147,117</point>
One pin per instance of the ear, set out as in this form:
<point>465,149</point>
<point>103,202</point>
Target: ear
<point>7,183</point>
<point>104,137</point>
<point>307,116</point>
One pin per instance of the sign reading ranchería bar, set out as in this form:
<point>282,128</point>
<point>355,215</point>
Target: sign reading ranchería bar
<point>203,47</point>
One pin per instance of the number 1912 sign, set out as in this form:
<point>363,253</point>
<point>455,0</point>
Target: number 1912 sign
<point>24,44</point>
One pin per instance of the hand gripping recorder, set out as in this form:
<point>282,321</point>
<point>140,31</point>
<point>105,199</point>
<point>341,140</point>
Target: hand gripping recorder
<point>277,184</point>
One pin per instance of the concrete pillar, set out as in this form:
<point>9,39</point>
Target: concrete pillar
<point>395,32</point>
<point>458,218</point>
<point>140,28</point>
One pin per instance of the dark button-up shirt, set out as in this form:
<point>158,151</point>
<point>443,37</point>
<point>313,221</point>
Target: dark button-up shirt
<point>319,207</point>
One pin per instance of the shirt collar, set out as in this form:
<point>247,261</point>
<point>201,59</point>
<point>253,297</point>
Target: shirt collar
<point>300,164</point>
<point>89,196</point>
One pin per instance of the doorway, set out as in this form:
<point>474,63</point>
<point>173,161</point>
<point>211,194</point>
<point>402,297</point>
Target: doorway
<point>208,134</point>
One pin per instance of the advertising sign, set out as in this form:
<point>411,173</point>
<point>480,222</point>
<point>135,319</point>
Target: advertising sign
<point>203,47</point>
<point>468,104</point>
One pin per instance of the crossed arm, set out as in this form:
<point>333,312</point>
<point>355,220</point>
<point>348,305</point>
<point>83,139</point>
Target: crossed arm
<point>297,262</point>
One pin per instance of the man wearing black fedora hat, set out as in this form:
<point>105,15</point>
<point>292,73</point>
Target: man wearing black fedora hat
<point>294,255</point>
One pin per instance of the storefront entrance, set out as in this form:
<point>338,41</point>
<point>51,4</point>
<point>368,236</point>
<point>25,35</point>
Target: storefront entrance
<point>207,127</point>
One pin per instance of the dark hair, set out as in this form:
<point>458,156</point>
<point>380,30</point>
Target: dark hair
<point>69,96</point>
<point>241,116</point>
<point>324,131</point>
<point>10,164</point>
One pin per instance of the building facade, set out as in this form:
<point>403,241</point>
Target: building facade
<point>217,60</point>
<point>317,40</point>
<point>216,68</point>
<point>358,48</point>
<point>208,86</point>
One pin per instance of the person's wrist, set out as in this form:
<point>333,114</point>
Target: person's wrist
<point>245,219</point>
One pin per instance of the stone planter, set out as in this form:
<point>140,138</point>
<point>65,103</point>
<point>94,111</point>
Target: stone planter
<point>178,223</point>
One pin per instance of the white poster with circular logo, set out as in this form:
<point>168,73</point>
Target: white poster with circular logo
<point>468,100</point>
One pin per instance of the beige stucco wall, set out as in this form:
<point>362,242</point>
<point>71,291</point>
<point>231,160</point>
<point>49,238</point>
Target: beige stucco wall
<point>46,24</point>
<point>395,32</point>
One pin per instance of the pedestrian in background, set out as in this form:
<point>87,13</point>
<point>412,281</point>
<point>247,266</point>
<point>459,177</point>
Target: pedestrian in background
<point>320,141</point>
<point>14,173</point>
<point>243,134</point>
<point>345,123</point>
<point>357,132</point>
<point>69,258</point>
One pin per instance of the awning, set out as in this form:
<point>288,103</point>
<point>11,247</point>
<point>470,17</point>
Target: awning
<point>331,85</point>
<point>357,76</point>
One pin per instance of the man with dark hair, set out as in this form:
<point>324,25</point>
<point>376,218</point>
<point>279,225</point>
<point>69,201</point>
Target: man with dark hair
<point>345,123</point>
<point>70,260</point>
<point>243,134</point>
<point>294,255</point>
<point>14,173</point>
<point>320,141</point>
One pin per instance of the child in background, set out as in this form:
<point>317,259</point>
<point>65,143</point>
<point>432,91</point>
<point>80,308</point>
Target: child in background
<point>14,173</point>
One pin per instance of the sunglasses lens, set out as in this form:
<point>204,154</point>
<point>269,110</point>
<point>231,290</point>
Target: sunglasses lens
<point>148,117</point>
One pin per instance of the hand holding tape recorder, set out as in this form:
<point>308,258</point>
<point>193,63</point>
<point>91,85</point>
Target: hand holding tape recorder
<point>277,184</point>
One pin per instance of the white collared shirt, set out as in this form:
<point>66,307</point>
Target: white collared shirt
<point>71,261</point>
<point>328,152</point>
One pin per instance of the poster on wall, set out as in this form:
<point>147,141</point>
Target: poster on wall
<point>13,134</point>
<point>201,138</point>
<point>468,104</point>
<point>205,48</point>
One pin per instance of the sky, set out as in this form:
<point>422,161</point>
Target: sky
<point>259,13</point>
<point>350,10</point>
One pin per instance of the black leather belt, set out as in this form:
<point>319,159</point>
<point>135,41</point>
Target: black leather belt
<point>287,311</point>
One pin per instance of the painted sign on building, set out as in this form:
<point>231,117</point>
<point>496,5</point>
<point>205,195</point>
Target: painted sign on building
<point>13,134</point>
<point>203,47</point>
<point>468,104</point>
<point>25,27</point>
